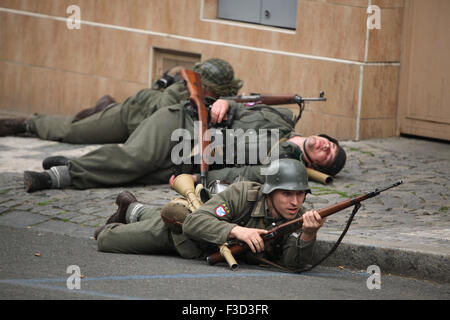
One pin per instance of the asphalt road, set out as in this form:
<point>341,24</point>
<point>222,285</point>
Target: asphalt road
<point>34,265</point>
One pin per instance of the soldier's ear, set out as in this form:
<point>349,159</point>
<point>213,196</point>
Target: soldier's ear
<point>269,197</point>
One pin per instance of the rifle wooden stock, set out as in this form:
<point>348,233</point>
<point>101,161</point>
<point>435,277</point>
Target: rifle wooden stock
<point>194,86</point>
<point>295,224</point>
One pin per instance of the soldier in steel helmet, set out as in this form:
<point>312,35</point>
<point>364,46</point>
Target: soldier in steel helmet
<point>112,122</point>
<point>244,211</point>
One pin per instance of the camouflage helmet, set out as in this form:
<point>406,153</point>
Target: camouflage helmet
<point>218,76</point>
<point>339,161</point>
<point>286,174</point>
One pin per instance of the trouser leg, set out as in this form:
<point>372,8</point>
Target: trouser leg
<point>161,176</point>
<point>147,150</point>
<point>112,125</point>
<point>50,127</point>
<point>108,126</point>
<point>147,236</point>
<point>145,233</point>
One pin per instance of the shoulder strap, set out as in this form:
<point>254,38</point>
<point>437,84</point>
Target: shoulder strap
<point>267,159</point>
<point>256,207</point>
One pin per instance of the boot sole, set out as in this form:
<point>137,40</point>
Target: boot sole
<point>34,181</point>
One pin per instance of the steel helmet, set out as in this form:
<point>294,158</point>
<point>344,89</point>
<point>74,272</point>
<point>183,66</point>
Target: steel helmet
<point>286,174</point>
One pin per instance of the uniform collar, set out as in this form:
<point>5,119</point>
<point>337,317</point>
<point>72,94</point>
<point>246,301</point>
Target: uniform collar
<point>259,210</point>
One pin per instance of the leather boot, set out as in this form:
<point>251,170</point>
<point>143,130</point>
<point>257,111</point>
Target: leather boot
<point>123,201</point>
<point>34,181</point>
<point>54,161</point>
<point>12,126</point>
<point>101,104</point>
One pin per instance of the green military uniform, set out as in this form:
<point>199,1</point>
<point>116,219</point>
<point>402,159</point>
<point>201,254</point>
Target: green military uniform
<point>114,124</point>
<point>241,204</point>
<point>146,155</point>
<point>147,235</point>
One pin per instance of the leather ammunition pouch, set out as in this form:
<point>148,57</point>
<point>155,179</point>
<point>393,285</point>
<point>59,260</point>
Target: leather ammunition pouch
<point>175,212</point>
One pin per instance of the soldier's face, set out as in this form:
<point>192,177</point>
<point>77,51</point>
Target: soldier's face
<point>321,150</point>
<point>286,203</point>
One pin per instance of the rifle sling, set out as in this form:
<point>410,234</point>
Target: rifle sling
<point>268,262</point>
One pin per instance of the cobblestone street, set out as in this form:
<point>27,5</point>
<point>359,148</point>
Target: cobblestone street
<point>410,223</point>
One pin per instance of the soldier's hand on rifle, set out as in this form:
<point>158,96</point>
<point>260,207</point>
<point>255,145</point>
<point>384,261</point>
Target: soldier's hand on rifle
<point>219,110</point>
<point>312,222</point>
<point>251,236</point>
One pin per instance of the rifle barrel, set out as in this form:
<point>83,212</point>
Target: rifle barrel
<point>270,99</point>
<point>350,202</point>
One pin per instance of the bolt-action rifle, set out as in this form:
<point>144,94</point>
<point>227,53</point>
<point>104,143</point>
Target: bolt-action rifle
<point>269,99</point>
<point>240,248</point>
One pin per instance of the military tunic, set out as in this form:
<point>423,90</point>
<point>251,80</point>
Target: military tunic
<point>244,204</point>
<point>114,124</point>
<point>241,204</point>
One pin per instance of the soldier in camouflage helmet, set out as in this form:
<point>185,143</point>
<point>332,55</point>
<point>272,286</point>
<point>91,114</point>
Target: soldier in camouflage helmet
<point>112,122</point>
<point>244,211</point>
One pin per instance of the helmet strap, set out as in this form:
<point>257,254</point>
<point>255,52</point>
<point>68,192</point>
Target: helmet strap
<point>307,155</point>
<point>272,206</point>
